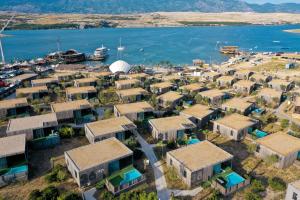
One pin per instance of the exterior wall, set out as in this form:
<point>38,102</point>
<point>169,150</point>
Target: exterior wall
<point>229,132</point>
<point>69,114</point>
<point>284,161</point>
<point>28,133</point>
<point>92,139</point>
<point>169,135</point>
<point>3,113</point>
<point>292,193</point>
<point>173,104</point>
<point>278,87</point>
<point>71,97</point>
<point>243,112</point>
<point>131,116</point>
<point>269,99</point>
<point>77,84</point>
<point>242,89</point>
<point>297,109</point>
<point>160,90</point>
<point>200,122</point>
<point>124,86</point>
<point>225,83</point>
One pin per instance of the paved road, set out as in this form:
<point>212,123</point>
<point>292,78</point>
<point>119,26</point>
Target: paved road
<point>161,185</point>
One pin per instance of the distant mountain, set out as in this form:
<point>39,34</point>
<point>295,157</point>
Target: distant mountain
<point>140,6</point>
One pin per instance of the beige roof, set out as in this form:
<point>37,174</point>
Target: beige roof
<point>211,74</point>
<point>237,103</point>
<point>172,123</point>
<point>231,121</point>
<point>31,122</point>
<point>244,83</point>
<point>258,77</point>
<point>22,77</point>
<point>201,155</point>
<point>212,93</point>
<point>162,85</point>
<point>132,92</point>
<point>280,82</point>
<point>170,96</point>
<point>296,184</point>
<point>192,87</point>
<point>63,74</point>
<point>91,155</point>
<point>13,103</point>
<point>226,78</point>
<point>171,77</point>
<point>199,111</point>
<point>71,105</point>
<point>127,82</point>
<point>270,92</point>
<point>282,143</point>
<point>29,90</point>
<point>112,125</point>
<point>44,80</point>
<point>225,69</point>
<point>99,74</point>
<point>134,107</point>
<point>86,80</point>
<point>139,75</point>
<point>12,145</point>
<point>78,90</point>
<point>243,72</point>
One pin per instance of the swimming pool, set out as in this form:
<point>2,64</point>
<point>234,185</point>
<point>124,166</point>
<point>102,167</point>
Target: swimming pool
<point>16,170</point>
<point>260,134</point>
<point>193,141</point>
<point>130,176</point>
<point>233,179</point>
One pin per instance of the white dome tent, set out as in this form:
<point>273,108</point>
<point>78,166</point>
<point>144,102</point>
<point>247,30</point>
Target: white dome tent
<point>120,66</point>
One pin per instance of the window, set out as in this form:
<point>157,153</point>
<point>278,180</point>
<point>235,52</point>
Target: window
<point>218,127</point>
<point>295,196</point>
<point>231,133</point>
<point>257,148</point>
<point>184,174</point>
<point>171,162</point>
<point>75,173</point>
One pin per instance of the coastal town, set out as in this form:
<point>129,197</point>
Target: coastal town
<point>199,131</point>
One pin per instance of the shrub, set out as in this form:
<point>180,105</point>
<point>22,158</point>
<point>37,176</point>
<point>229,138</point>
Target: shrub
<point>69,196</point>
<point>66,132</point>
<point>271,159</point>
<point>50,193</point>
<point>34,194</point>
<point>171,145</point>
<point>284,123</point>
<point>257,186</point>
<point>277,184</point>
<point>58,174</point>
<point>252,196</point>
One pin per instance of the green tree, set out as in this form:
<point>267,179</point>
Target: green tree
<point>66,132</point>
<point>252,196</point>
<point>284,123</point>
<point>277,184</point>
<point>257,186</point>
<point>107,113</point>
<point>69,196</point>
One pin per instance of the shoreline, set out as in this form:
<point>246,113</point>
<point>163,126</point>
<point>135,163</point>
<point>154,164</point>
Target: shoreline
<point>292,31</point>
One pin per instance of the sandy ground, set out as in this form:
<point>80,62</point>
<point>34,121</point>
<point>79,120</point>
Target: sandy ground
<point>158,19</point>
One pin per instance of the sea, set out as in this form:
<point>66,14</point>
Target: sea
<point>150,46</point>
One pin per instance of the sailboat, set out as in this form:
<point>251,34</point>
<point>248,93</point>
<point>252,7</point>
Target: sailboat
<point>121,48</point>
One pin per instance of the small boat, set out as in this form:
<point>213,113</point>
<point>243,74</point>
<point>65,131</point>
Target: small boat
<point>100,53</point>
<point>141,50</point>
<point>121,48</point>
<point>276,41</point>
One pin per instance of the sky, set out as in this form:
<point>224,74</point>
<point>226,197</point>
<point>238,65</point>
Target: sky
<point>273,1</point>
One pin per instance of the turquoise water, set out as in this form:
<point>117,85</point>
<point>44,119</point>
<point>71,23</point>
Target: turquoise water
<point>260,134</point>
<point>178,45</point>
<point>16,170</point>
<point>130,176</point>
<point>193,141</point>
<point>233,179</point>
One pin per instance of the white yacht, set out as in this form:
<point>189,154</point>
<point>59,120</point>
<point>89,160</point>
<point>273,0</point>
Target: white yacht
<point>121,48</point>
<point>101,53</point>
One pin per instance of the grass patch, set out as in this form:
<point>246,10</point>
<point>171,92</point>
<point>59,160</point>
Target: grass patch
<point>173,179</point>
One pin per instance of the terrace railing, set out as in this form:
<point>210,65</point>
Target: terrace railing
<point>227,191</point>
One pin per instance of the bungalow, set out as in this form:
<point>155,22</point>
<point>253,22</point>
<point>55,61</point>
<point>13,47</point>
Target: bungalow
<point>13,107</point>
<point>199,114</point>
<point>260,79</point>
<point>119,127</point>
<point>134,111</point>
<point>244,86</point>
<point>104,75</point>
<point>293,191</point>
<point>44,82</point>
<point>32,92</point>
<point>270,96</point>
<point>243,74</point>
<point>226,71</point>
<point>198,162</point>
<point>213,96</point>
<point>160,88</point>
<point>13,159</point>
<point>83,82</point>
<point>281,85</point>
<point>225,81</point>
<point>23,77</point>
<point>78,111</point>
<point>172,77</point>
<point>34,127</point>
<point>192,88</point>
<point>170,99</point>
<point>234,126</point>
<point>138,76</point>
<point>238,105</point>
<point>171,128</point>
<point>87,92</point>
<point>284,146</point>
<point>89,167</point>
<point>132,95</point>
<point>211,76</point>
<point>65,76</point>
<point>127,84</point>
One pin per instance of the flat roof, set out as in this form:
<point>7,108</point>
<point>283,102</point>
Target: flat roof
<point>91,155</point>
<point>62,74</point>
<point>99,74</point>
<point>282,143</point>
<point>279,82</point>
<point>237,103</point>
<point>170,96</point>
<point>22,77</point>
<point>13,103</point>
<point>127,82</point>
<point>199,111</point>
<point>244,83</point>
<point>192,87</point>
<point>243,72</point>
<point>138,75</point>
<point>132,92</point>
<point>212,74</point>
<point>44,80</point>
<point>86,80</point>
<point>212,93</point>
<point>112,125</point>
<point>162,85</point>
<point>77,90</point>
<point>171,77</point>
<point>259,76</point>
<point>200,155</point>
<point>226,78</point>
<point>270,92</point>
<point>31,122</point>
<point>134,107</point>
<point>32,89</point>
<point>71,105</point>
<point>172,123</point>
<point>231,121</point>
<point>12,145</point>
